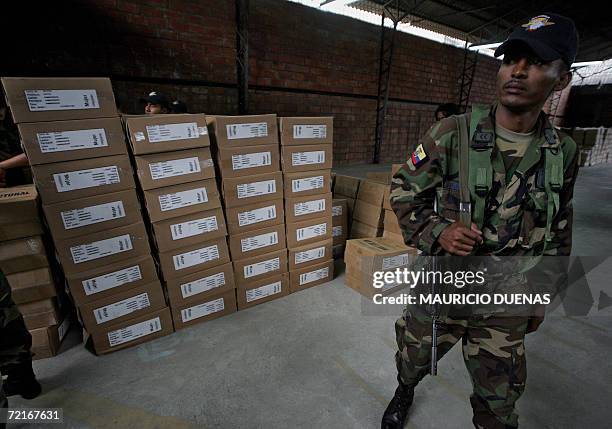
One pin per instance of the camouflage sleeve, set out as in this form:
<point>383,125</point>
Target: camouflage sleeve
<point>413,189</point>
<point>561,228</point>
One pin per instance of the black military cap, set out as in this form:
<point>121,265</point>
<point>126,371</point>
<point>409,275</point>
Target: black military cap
<point>155,97</point>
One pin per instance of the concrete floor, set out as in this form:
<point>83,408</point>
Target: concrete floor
<point>315,360</point>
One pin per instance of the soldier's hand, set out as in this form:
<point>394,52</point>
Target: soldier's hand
<point>457,239</point>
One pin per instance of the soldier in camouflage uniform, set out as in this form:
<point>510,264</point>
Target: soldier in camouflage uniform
<point>516,218</point>
<point>12,158</point>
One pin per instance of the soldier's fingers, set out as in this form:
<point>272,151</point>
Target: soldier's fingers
<point>473,235</point>
<point>458,245</point>
<point>466,240</point>
<point>475,229</point>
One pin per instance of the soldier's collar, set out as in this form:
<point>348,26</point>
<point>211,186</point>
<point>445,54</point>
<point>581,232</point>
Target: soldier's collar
<point>545,133</point>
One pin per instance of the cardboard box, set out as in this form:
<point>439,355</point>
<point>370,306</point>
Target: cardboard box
<point>71,180</point>
<point>40,314</point>
<point>387,199</point>
<point>339,211</point>
<point>346,186</point>
<point>46,341</point>
<point>361,230</point>
<point>122,306</point>
<point>180,200</point>
<point>379,176</point>
<point>132,331</point>
<point>233,131</point>
<point>308,207</point>
<point>61,141</point>
<point>23,229</point>
<point>391,223</point>
<point>189,230</point>
<point>35,307</point>
<point>369,214</point>
<point>246,161</point>
<point>173,168</point>
<point>190,259</point>
<point>372,192</point>
<point>307,277</point>
<point>22,254</point>
<point>306,130</point>
<point>258,242</point>
<point>305,183</point>
<point>338,251</point>
<point>33,285</point>
<point>306,157</point>
<point>260,267</point>
<point>377,254</point>
<point>84,253</point>
<point>396,238</point>
<point>38,99</point>
<point>198,286</point>
<point>260,291</point>
<point>255,216</point>
<point>92,214</point>
<point>166,133</point>
<point>102,282</point>
<point>308,231</point>
<point>339,234</point>
<point>210,308</point>
<point>311,254</point>
<point>19,215</point>
<point>239,191</point>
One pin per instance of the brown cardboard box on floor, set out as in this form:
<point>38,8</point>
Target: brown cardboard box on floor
<point>391,222</point>
<point>38,99</point>
<point>196,287</point>
<point>305,183</point>
<point>132,331</point>
<point>260,291</point>
<point>84,253</point>
<point>166,133</point>
<point>61,141</point>
<point>19,216</point>
<point>308,207</point>
<point>92,214</point>
<point>46,341</point>
<point>190,259</point>
<point>71,180</point>
<point>369,214</point>
<point>255,216</point>
<point>304,278</point>
<point>258,242</point>
<point>306,157</point>
<point>104,281</point>
<point>361,230</point>
<point>33,285</point>
<point>234,131</point>
<point>308,231</point>
<point>239,191</point>
<point>173,168</point>
<point>260,267</point>
<point>209,308</point>
<point>377,254</point>
<point>122,306</point>
<point>306,130</point>
<point>311,254</point>
<point>180,200</point>
<point>346,186</point>
<point>190,229</point>
<point>40,314</point>
<point>22,254</point>
<point>372,192</point>
<point>249,160</point>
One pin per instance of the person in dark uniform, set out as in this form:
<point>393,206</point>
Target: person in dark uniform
<point>178,106</point>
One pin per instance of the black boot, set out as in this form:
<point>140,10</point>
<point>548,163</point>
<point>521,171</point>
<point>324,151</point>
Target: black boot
<point>21,380</point>
<point>397,410</point>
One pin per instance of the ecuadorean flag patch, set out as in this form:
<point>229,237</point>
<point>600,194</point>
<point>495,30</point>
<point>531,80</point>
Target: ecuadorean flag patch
<point>418,156</point>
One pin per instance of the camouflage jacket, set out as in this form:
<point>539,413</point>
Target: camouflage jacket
<point>515,212</point>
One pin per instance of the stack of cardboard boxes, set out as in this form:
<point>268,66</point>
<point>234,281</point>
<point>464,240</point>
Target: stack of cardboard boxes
<point>176,173</point>
<point>339,225</point>
<point>307,160</point>
<point>75,143</point>
<point>368,213</point>
<point>392,229</point>
<point>346,188</point>
<point>24,261</point>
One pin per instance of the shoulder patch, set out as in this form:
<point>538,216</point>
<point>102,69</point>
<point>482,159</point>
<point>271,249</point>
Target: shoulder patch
<point>418,156</point>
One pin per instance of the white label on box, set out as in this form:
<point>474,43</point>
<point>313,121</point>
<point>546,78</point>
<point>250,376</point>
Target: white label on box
<point>77,218</point>
<point>262,267</point>
<point>308,207</point>
<point>202,285</point>
<point>139,136</point>
<point>133,332</point>
<point>81,179</point>
<point>307,184</point>
<point>309,255</point>
<point>247,190</point>
<point>246,131</point>
<point>121,308</point>
<point>61,99</point>
<point>170,132</point>
<point>395,261</point>
<point>309,131</point>
<point>201,310</point>
<point>194,227</point>
<point>308,158</point>
<point>250,160</point>
<point>337,231</point>
<point>63,141</point>
<point>195,257</point>
<point>62,329</point>
<point>111,280</point>
<point>174,167</point>
<point>311,231</point>
<point>263,291</point>
<point>257,215</point>
<point>100,249</point>
<point>313,276</point>
<point>182,199</point>
<point>259,241</point>
<point>202,131</point>
<point>337,210</point>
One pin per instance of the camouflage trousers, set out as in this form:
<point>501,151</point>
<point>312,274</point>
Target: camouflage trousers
<point>493,352</point>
